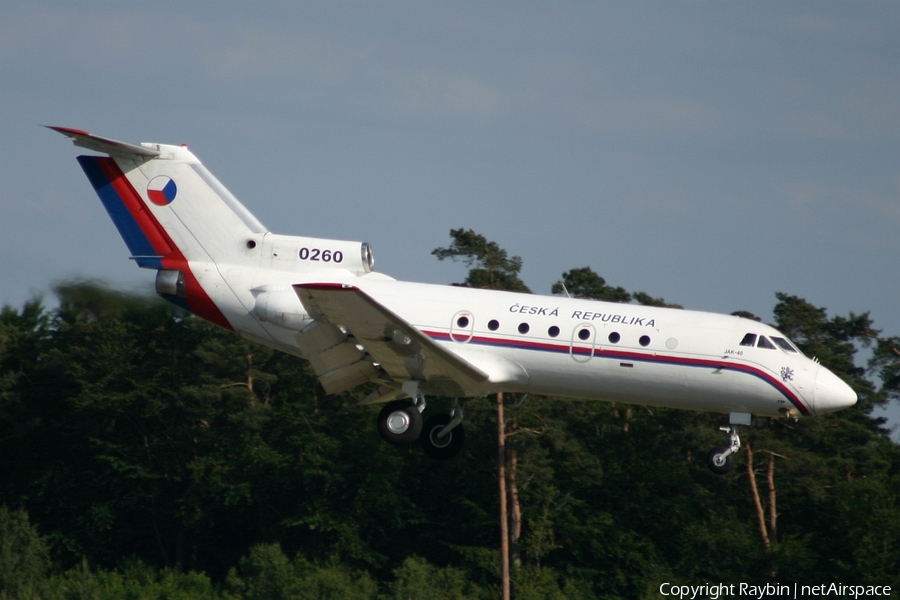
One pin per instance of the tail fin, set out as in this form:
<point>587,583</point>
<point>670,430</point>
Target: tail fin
<point>172,213</point>
<point>165,203</point>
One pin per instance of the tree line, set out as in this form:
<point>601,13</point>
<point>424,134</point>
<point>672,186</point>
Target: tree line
<point>146,453</point>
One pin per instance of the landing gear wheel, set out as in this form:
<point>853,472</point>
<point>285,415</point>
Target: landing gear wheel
<point>399,422</point>
<point>719,462</point>
<point>444,447</point>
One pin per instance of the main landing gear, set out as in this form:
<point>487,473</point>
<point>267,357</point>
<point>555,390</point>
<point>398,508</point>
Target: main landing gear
<point>720,460</point>
<point>400,422</point>
<point>444,435</point>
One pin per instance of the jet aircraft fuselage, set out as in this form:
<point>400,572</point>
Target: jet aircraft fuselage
<point>322,300</point>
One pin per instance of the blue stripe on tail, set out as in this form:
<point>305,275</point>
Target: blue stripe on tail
<point>138,244</point>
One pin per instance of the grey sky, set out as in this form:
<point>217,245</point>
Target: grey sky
<point>710,153</point>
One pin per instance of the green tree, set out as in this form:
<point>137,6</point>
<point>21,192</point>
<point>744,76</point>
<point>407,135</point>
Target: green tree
<point>24,556</point>
<point>585,283</point>
<point>134,580</point>
<point>267,574</point>
<point>416,578</point>
<point>489,265</point>
<point>164,437</point>
<point>648,300</point>
<point>24,335</point>
<point>130,429</point>
<point>885,361</point>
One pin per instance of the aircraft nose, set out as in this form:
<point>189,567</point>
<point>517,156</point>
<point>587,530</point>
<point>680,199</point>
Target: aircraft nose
<point>832,394</point>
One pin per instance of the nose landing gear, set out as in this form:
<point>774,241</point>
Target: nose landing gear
<point>720,460</point>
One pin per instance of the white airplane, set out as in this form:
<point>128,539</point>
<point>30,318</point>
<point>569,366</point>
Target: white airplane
<point>321,300</point>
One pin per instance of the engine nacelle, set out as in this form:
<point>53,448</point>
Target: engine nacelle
<point>282,308</point>
<point>293,253</point>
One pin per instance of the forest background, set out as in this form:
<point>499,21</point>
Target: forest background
<point>148,454</point>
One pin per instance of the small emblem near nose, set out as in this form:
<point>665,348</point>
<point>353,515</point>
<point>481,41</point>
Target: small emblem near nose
<point>787,374</point>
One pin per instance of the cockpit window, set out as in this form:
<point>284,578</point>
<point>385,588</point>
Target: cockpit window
<point>765,343</point>
<point>783,344</point>
<point>749,340</point>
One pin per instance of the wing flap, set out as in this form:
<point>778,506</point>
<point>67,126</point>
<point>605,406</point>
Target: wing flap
<point>335,358</point>
<point>319,337</point>
<point>401,350</point>
<point>348,377</point>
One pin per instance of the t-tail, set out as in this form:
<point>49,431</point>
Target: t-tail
<point>177,218</point>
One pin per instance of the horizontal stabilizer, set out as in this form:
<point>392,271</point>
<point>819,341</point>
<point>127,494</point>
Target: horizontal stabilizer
<point>102,144</point>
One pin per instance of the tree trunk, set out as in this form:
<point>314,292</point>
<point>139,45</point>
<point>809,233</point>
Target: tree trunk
<point>773,513</point>
<point>504,518</point>
<point>515,526</point>
<point>751,474</point>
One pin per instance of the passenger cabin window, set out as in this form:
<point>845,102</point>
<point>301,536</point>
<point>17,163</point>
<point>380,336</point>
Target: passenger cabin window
<point>749,340</point>
<point>765,343</point>
<point>783,344</point>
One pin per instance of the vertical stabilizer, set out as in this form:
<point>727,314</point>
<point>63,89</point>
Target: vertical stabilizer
<point>162,199</point>
<point>174,216</point>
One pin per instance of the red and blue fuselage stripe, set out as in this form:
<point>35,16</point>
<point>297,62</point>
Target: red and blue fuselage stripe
<point>682,361</point>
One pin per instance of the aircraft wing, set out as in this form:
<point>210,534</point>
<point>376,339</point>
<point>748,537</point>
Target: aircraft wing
<point>403,351</point>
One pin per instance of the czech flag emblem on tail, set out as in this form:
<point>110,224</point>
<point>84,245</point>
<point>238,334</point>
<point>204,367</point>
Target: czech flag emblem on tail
<point>161,190</point>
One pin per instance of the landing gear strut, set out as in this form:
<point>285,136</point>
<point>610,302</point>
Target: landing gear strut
<point>443,436</point>
<point>720,460</point>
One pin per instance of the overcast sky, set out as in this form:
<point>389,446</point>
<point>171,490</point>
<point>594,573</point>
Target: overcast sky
<point>710,153</point>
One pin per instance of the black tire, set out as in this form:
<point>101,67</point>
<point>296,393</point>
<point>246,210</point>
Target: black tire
<point>442,448</point>
<point>399,422</point>
<point>717,464</point>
